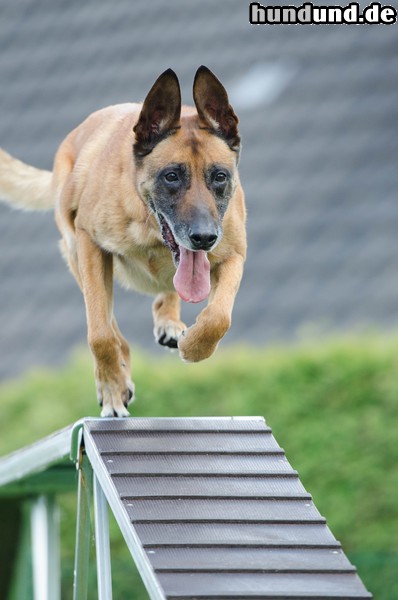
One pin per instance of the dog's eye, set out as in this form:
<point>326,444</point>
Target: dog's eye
<point>220,177</point>
<point>171,177</point>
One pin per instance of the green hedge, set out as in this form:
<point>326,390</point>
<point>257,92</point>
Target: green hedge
<point>332,405</point>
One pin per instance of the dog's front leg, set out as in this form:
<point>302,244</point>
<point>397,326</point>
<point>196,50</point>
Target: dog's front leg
<point>166,318</point>
<point>201,340</point>
<point>96,272</point>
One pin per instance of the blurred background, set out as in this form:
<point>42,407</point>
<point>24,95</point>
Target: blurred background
<point>318,109</point>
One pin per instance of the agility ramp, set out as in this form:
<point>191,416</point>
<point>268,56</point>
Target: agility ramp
<point>209,508</point>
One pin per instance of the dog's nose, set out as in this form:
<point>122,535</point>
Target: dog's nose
<point>202,240</point>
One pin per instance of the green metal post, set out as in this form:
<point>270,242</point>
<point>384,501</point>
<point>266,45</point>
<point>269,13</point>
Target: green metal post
<point>22,583</point>
<point>83,530</point>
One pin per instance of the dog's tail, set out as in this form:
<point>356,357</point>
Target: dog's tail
<point>24,186</point>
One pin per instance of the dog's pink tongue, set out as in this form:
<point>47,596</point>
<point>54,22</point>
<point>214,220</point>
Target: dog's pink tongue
<point>192,278</point>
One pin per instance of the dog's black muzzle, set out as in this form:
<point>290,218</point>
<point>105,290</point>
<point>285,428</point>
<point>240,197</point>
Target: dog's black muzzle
<point>202,239</point>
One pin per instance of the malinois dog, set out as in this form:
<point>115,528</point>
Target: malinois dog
<point>149,193</point>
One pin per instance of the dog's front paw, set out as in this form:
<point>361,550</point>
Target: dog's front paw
<point>114,396</point>
<point>167,333</point>
<point>194,347</point>
<point>201,340</point>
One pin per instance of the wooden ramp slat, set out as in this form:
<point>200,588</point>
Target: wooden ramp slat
<point>234,533</point>
<point>249,559</point>
<point>211,508</point>
<point>261,585</point>
<point>165,442</point>
<point>184,425</point>
<point>205,486</point>
<point>197,464</point>
<point>222,509</point>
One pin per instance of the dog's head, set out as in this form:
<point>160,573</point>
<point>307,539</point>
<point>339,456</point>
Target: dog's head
<point>186,164</point>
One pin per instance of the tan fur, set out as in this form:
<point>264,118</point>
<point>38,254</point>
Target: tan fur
<point>107,229</point>
<point>24,186</point>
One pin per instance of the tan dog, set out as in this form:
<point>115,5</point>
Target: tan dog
<point>149,192</point>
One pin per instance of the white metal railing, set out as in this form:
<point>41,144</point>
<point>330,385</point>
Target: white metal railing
<point>94,489</point>
<point>45,549</point>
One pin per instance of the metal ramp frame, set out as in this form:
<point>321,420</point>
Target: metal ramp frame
<point>209,508</point>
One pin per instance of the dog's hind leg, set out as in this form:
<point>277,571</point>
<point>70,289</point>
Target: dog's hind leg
<point>96,274</point>
<point>71,259</point>
<point>166,317</point>
<point>125,349</point>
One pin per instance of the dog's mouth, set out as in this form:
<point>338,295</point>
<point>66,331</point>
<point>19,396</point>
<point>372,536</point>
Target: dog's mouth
<point>169,239</point>
<point>192,277</point>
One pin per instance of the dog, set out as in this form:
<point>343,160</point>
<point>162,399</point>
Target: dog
<point>148,193</point>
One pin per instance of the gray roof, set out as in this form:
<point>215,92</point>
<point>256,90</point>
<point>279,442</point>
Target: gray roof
<point>317,107</point>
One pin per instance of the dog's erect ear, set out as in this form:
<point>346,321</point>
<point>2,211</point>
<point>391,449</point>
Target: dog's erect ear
<point>160,113</point>
<point>214,109</point>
